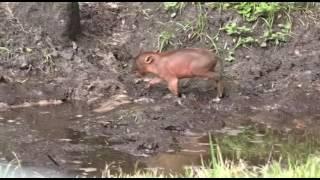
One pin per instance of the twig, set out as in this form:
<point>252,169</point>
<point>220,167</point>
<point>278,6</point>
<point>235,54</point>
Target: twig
<point>55,162</point>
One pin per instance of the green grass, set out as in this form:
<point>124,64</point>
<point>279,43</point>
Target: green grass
<point>268,16</point>
<point>234,29</point>
<point>8,171</point>
<point>4,49</point>
<point>307,166</point>
<point>227,169</point>
<point>222,168</point>
<point>4,53</point>
<point>165,40</point>
<point>13,169</point>
<point>174,7</point>
<point>48,60</point>
<point>258,147</point>
<point>201,23</point>
<point>301,158</point>
<point>197,29</point>
<point>262,25</point>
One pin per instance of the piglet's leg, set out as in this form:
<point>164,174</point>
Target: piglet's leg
<point>220,87</point>
<point>154,81</point>
<point>217,78</point>
<point>173,86</point>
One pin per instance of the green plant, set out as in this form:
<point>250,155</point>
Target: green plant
<point>233,29</point>
<point>243,35</point>
<point>218,5</point>
<point>5,52</point>
<point>242,32</point>
<point>213,5</point>
<point>201,23</point>
<point>251,11</point>
<point>245,41</point>
<point>230,55</point>
<point>174,6</point>
<point>4,49</point>
<point>213,43</point>
<point>277,37</point>
<point>47,59</point>
<point>196,29</point>
<point>164,40</point>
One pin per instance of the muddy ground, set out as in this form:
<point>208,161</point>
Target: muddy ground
<point>278,86</point>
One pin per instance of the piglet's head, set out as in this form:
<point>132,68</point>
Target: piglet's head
<point>145,63</point>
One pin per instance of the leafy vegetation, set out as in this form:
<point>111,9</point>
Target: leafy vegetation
<point>257,13</point>
<point>164,40</point>
<point>174,7</point>
<point>3,49</point>
<point>48,60</point>
<point>263,24</point>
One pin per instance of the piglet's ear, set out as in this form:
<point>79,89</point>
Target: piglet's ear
<point>148,59</point>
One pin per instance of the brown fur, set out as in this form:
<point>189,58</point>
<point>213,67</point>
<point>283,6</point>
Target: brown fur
<point>178,64</point>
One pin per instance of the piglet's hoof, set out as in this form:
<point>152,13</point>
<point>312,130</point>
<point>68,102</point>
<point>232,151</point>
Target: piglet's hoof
<point>178,101</point>
<point>168,96</point>
<point>181,96</point>
<point>147,86</point>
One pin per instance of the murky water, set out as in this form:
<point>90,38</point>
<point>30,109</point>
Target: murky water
<point>42,139</point>
<point>256,144</point>
<point>82,154</point>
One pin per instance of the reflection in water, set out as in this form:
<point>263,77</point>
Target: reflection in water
<point>191,153</point>
<point>175,163</point>
<point>256,144</point>
<point>81,154</point>
<point>13,171</point>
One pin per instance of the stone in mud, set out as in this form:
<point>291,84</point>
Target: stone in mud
<point>148,147</point>
<point>60,20</point>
